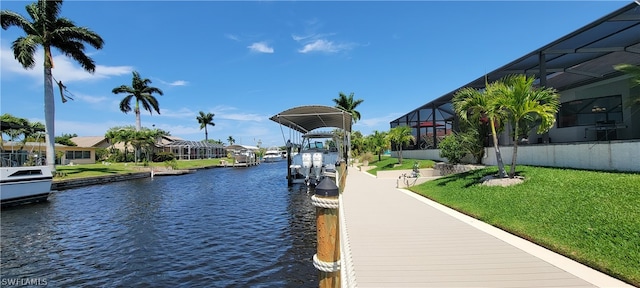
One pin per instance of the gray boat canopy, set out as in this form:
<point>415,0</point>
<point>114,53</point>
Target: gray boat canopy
<point>307,118</point>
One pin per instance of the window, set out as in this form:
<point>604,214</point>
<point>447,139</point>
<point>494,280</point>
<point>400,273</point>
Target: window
<point>588,112</point>
<point>70,155</point>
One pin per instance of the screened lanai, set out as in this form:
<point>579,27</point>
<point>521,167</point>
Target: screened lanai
<point>583,58</point>
<point>187,150</point>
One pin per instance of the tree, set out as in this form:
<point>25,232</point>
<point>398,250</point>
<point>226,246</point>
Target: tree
<point>65,139</point>
<point>634,71</point>
<point>522,104</point>
<point>49,31</point>
<point>349,105</point>
<point>231,140</point>
<point>472,103</point>
<point>142,93</point>
<point>204,120</point>
<point>379,143</point>
<point>400,136</point>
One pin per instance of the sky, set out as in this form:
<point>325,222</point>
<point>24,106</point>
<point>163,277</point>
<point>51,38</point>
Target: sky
<point>247,61</point>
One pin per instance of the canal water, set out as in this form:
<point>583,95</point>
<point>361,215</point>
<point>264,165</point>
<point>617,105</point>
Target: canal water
<point>219,227</point>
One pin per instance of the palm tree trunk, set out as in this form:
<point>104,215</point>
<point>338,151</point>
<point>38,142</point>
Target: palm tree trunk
<point>512,171</point>
<point>49,117</point>
<point>501,172</point>
<point>206,134</point>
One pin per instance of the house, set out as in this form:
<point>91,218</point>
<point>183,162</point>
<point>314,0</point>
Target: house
<point>596,126</point>
<point>69,154</point>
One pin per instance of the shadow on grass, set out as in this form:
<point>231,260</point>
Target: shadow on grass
<point>467,179</point>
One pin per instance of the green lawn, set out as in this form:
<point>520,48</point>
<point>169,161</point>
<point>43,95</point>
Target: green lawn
<point>592,217</point>
<point>91,170</point>
<point>389,163</point>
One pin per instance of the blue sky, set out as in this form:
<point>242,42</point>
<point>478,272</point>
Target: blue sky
<point>247,61</point>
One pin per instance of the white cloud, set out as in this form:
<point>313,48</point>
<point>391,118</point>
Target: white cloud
<point>232,37</point>
<point>90,99</point>
<point>241,117</point>
<point>320,43</point>
<point>175,83</point>
<point>261,47</point>
<point>65,69</point>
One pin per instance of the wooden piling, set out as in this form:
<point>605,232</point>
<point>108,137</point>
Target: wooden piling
<point>343,175</point>
<point>327,259</point>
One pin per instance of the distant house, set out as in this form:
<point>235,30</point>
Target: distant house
<point>70,154</point>
<point>182,149</point>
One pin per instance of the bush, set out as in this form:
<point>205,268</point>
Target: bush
<point>367,156</point>
<point>173,163</point>
<point>452,148</point>
<point>163,157</point>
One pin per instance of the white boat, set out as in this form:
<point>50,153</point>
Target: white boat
<point>19,183</point>
<point>273,155</point>
<point>24,184</point>
<point>318,152</point>
<point>316,159</point>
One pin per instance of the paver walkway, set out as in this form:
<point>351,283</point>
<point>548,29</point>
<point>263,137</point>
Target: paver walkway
<point>399,239</point>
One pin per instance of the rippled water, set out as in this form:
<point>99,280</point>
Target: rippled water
<point>221,227</point>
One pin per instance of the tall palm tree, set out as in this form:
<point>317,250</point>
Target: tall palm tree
<point>231,140</point>
<point>469,102</point>
<point>49,31</point>
<point>204,120</point>
<point>349,105</point>
<point>400,135</point>
<point>143,94</point>
<point>522,102</point>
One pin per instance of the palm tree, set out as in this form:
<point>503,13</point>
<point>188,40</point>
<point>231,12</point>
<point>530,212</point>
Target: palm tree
<point>231,140</point>
<point>49,31</point>
<point>469,103</point>
<point>400,135</point>
<point>379,143</point>
<point>349,105</point>
<point>143,94</point>
<point>634,71</point>
<point>524,103</point>
<point>204,120</point>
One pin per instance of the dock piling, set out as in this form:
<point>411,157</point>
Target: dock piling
<point>327,258</point>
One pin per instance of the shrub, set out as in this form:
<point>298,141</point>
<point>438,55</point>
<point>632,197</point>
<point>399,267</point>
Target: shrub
<point>367,156</point>
<point>163,156</point>
<point>452,148</point>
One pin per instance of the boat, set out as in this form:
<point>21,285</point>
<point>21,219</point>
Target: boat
<point>24,184</point>
<point>243,154</point>
<point>273,155</point>
<point>315,156</point>
<point>19,182</point>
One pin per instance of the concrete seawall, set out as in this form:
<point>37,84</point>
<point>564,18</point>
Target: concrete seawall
<point>73,183</point>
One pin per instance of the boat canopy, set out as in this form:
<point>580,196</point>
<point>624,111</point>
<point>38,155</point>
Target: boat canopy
<point>306,118</point>
<point>237,147</point>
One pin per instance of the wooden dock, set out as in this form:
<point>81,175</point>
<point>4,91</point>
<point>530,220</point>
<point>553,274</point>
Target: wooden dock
<point>399,239</point>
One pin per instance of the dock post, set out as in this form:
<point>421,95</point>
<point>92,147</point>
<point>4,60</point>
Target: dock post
<point>289,177</point>
<point>327,258</point>
<point>343,175</point>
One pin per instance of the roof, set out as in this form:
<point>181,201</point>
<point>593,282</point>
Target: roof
<point>306,118</point>
<point>194,144</point>
<point>241,147</point>
<point>585,56</point>
<point>88,141</point>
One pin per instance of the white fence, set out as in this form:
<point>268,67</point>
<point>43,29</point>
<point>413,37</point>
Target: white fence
<point>611,155</point>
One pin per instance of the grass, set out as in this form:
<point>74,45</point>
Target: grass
<point>591,217</point>
<point>390,163</point>
<point>99,169</point>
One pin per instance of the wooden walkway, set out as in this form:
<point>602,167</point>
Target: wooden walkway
<point>399,239</point>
